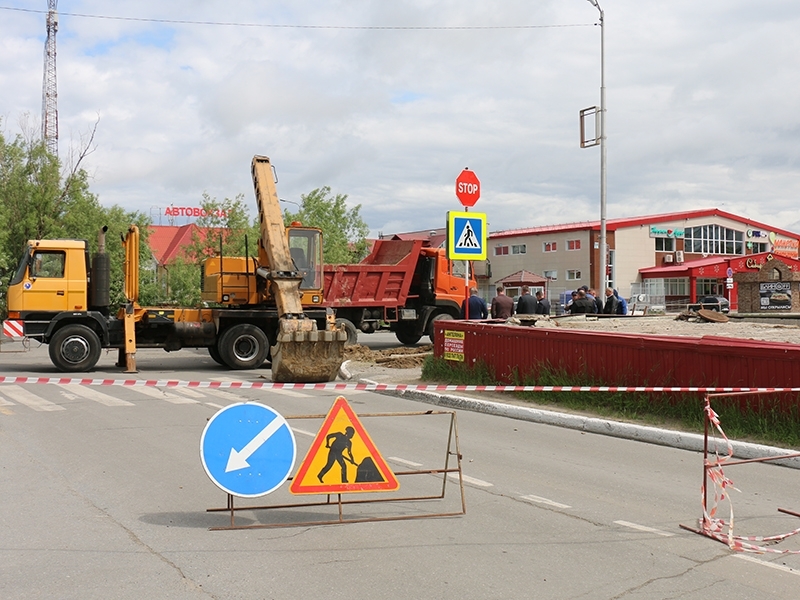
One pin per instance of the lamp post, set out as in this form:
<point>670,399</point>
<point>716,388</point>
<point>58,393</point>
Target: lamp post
<point>602,132</point>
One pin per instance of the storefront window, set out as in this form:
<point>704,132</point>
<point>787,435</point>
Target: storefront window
<point>713,239</point>
<point>708,287</point>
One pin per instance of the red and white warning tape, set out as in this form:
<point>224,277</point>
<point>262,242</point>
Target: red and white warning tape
<point>378,387</point>
<point>721,529</point>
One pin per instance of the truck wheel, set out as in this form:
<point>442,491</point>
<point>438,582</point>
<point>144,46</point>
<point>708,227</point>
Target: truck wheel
<point>243,347</point>
<point>407,336</point>
<point>352,332</point>
<point>214,354</point>
<point>74,348</point>
<point>439,317</point>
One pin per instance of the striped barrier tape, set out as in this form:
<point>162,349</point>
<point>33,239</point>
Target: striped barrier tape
<point>379,387</point>
<point>721,529</point>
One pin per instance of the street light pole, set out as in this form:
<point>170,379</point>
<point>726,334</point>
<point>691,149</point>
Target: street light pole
<point>603,244</point>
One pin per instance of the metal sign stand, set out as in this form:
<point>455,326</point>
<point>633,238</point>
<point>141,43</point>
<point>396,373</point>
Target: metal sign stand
<point>712,471</point>
<point>452,451</point>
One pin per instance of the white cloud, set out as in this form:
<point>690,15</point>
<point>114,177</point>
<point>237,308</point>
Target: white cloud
<point>702,104</point>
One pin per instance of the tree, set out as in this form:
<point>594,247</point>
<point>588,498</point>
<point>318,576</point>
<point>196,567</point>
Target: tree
<point>223,224</point>
<point>344,231</point>
<point>38,201</point>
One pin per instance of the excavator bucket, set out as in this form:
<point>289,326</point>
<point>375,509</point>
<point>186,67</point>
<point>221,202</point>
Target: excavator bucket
<point>308,356</point>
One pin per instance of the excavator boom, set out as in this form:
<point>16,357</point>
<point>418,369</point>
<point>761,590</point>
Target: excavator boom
<point>302,353</point>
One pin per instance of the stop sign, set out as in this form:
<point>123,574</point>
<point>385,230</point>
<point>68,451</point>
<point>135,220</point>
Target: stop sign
<point>468,188</point>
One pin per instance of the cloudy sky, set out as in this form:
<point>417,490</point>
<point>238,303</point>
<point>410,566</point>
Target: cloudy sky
<point>388,101</point>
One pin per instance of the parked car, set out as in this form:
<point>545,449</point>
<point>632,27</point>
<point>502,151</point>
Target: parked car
<point>717,303</point>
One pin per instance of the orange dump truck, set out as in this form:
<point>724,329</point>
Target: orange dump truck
<point>403,286</point>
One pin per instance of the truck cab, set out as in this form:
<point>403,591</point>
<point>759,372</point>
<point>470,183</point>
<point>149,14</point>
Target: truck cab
<point>52,277</point>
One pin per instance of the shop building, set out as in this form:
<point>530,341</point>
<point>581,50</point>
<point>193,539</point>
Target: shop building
<point>671,259</point>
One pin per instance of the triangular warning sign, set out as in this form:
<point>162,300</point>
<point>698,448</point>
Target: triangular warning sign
<point>342,458</point>
<point>468,239</point>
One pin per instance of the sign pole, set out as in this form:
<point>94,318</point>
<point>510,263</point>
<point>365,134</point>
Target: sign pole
<point>466,282</point>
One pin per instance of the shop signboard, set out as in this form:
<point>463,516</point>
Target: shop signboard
<point>775,295</point>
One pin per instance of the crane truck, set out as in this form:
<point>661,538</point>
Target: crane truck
<point>271,303</point>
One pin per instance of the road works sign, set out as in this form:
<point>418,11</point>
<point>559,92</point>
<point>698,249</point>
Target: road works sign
<point>468,188</point>
<point>342,458</point>
<point>248,449</point>
<point>466,236</point>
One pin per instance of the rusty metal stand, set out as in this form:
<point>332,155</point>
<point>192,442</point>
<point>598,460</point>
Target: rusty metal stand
<point>451,451</point>
<point>705,525</point>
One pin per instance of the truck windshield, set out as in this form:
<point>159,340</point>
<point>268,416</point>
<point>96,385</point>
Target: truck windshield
<point>19,275</point>
<point>459,268</point>
<point>305,246</point>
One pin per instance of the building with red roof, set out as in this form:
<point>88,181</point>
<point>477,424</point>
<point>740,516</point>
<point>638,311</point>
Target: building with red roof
<point>668,258</point>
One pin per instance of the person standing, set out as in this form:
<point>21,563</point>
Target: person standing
<point>612,304</point>
<point>622,308</point>
<point>526,305</point>
<point>542,304</point>
<point>475,308</point>
<point>583,304</point>
<point>502,305</point>
<point>598,301</point>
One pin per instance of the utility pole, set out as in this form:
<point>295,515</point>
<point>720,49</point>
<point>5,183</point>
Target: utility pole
<point>600,139</point>
<point>49,88</point>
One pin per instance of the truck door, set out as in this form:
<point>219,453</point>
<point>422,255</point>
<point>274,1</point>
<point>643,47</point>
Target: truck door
<point>50,286</point>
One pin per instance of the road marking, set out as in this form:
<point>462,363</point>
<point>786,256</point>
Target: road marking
<point>403,461</point>
<point>643,528</point>
<point>91,394</point>
<point>23,396</point>
<point>765,563</point>
<point>4,402</point>
<point>303,432</point>
<point>223,394</point>
<point>189,392</point>
<point>290,393</point>
<point>162,395</point>
<point>214,405</point>
<point>540,500</point>
<point>472,480</point>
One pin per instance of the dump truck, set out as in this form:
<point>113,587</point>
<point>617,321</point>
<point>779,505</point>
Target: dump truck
<point>402,285</point>
<point>267,307</point>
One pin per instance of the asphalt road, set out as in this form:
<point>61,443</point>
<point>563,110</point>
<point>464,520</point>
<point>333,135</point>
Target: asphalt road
<point>103,495</point>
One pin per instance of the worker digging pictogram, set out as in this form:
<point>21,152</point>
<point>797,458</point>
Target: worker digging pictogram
<point>343,458</point>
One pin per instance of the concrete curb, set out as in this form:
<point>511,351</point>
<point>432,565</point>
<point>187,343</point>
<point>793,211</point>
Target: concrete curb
<point>629,431</point>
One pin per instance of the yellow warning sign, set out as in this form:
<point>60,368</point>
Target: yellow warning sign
<point>342,458</point>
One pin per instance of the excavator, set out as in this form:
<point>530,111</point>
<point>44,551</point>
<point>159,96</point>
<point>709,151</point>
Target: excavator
<point>269,306</point>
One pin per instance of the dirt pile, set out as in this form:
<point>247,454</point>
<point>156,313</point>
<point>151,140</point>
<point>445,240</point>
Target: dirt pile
<point>393,358</point>
<point>672,326</point>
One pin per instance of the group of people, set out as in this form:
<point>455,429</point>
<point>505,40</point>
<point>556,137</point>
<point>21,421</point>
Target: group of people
<point>584,300</point>
<point>587,301</point>
<point>503,305</point>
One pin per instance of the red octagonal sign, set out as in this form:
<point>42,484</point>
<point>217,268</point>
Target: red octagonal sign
<point>468,188</point>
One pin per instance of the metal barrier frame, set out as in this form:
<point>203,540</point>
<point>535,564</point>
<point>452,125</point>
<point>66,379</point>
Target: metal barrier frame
<point>451,451</point>
<point>705,525</point>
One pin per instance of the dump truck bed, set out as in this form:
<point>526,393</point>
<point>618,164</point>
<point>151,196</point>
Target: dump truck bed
<point>382,279</point>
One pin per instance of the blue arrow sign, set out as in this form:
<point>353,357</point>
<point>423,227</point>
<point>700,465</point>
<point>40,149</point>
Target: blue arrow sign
<point>248,449</point>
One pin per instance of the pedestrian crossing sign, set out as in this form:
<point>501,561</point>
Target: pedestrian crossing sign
<point>342,458</point>
<point>466,236</point>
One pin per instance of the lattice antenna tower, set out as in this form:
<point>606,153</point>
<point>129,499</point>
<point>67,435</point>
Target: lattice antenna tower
<point>49,88</point>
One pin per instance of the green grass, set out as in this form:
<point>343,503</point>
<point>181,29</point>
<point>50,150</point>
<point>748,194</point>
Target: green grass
<point>765,421</point>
